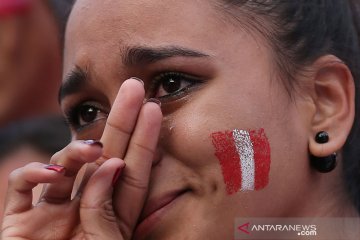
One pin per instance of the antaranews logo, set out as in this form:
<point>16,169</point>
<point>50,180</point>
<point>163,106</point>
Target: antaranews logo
<point>244,228</point>
<point>298,229</point>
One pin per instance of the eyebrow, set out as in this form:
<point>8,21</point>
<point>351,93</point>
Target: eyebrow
<point>74,82</point>
<point>131,56</point>
<point>139,55</point>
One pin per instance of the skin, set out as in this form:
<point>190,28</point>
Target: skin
<point>31,57</point>
<point>239,89</point>
<point>16,159</point>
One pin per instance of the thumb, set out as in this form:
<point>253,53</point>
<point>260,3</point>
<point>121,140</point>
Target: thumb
<point>98,219</point>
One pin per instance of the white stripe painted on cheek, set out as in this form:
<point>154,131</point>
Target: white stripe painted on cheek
<point>245,150</point>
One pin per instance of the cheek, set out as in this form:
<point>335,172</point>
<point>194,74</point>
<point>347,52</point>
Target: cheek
<point>228,139</point>
<point>244,157</point>
<point>239,159</point>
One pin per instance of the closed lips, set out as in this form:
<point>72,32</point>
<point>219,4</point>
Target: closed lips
<point>156,204</point>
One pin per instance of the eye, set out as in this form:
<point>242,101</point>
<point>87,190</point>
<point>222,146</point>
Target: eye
<point>172,84</point>
<point>84,115</point>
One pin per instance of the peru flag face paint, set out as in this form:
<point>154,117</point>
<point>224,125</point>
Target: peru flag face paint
<point>244,157</point>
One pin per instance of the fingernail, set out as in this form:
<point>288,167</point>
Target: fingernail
<point>93,143</point>
<point>116,175</point>
<point>138,79</point>
<point>54,167</point>
<point>153,100</point>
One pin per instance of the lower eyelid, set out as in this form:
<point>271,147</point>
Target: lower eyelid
<point>92,131</point>
<point>104,115</point>
<point>180,94</point>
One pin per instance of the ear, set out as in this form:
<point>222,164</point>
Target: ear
<point>334,101</point>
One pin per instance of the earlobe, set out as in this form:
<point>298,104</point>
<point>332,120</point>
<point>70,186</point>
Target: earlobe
<point>323,164</point>
<point>334,101</point>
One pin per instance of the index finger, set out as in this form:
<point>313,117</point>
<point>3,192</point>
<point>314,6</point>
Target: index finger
<point>122,119</point>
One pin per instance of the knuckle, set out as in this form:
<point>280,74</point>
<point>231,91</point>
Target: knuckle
<point>145,150</point>
<point>103,158</point>
<point>54,158</point>
<point>135,182</point>
<point>118,128</point>
<point>104,210</point>
<point>107,212</point>
<point>14,176</point>
<point>61,154</point>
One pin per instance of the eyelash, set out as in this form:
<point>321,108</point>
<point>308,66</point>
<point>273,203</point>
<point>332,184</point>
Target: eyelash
<point>73,116</point>
<point>160,79</point>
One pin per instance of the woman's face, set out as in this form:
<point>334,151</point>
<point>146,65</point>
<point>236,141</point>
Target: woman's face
<point>213,77</point>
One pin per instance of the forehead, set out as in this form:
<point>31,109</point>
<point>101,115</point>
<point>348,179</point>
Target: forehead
<point>109,17</point>
<point>109,25</point>
<point>126,13</point>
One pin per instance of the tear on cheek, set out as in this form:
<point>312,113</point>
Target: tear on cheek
<point>244,157</point>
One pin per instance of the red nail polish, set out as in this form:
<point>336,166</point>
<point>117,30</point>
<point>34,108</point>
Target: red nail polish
<point>56,168</point>
<point>116,176</point>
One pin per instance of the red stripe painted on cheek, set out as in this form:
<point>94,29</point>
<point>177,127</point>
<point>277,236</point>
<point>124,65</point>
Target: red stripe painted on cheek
<point>225,151</point>
<point>262,158</point>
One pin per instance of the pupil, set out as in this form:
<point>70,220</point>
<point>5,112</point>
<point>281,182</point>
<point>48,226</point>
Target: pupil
<point>171,85</point>
<point>88,113</point>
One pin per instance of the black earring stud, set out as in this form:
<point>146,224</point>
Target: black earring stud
<point>322,137</point>
<point>323,164</point>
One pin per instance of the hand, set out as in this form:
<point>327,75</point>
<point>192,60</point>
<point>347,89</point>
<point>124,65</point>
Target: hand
<point>131,133</point>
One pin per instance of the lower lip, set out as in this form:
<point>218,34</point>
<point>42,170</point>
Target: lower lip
<point>149,223</point>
